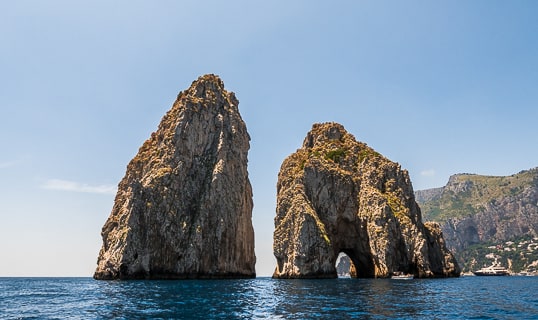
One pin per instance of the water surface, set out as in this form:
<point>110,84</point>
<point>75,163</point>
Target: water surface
<point>262,298</point>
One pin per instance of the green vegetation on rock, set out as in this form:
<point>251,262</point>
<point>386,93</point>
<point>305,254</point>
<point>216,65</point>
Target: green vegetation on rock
<point>367,153</point>
<point>335,155</point>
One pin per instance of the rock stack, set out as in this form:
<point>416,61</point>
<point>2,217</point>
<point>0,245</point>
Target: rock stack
<point>339,195</point>
<point>184,207</point>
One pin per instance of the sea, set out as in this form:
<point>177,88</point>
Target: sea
<point>511,297</point>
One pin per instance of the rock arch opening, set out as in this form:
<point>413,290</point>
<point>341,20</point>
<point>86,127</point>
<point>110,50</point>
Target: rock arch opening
<point>349,263</point>
<point>344,265</point>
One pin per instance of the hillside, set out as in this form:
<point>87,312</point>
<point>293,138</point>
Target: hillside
<point>477,212</point>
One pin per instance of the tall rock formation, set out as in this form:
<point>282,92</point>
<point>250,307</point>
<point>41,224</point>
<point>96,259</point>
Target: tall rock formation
<point>338,195</point>
<point>184,207</point>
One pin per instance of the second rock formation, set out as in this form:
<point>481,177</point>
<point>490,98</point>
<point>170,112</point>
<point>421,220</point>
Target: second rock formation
<point>338,195</point>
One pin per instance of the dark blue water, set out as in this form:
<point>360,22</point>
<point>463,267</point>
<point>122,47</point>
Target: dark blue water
<point>85,298</point>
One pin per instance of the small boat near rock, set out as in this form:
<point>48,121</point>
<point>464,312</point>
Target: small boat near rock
<point>402,276</point>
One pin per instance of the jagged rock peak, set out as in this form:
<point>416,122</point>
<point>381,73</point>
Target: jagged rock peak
<point>323,133</point>
<point>336,194</point>
<point>209,87</point>
<point>184,207</point>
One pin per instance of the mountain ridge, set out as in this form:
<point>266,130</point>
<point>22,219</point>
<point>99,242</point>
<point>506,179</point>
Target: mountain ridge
<point>476,210</point>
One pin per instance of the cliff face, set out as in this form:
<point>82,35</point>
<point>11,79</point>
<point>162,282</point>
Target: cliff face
<point>184,207</point>
<point>475,209</point>
<point>338,195</point>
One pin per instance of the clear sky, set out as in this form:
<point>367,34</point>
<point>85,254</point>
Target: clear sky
<point>440,87</point>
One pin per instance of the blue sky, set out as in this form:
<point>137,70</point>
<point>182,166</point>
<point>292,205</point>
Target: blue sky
<point>440,87</point>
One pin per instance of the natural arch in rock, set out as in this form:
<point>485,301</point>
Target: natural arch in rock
<point>338,195</point>
<point>345,266</point>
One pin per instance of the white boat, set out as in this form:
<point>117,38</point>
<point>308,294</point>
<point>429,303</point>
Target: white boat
<point>494,270</point>
<point>402,276</point>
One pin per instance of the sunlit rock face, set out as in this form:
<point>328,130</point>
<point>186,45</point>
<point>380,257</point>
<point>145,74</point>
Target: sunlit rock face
<point>184,207</point>
<point>339,195</point>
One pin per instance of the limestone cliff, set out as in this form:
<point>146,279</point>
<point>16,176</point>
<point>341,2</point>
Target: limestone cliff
<point>475,210</point>
<point>184,207</point>
<point>338,195</point>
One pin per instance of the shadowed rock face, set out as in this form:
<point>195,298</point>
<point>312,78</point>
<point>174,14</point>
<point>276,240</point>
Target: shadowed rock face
<point>184,207</point>
<point>338,195</point>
